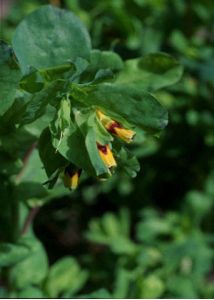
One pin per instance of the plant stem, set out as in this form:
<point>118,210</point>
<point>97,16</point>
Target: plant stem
<point>29,219</point>
<point>25,161</point>
<point>15,205</point>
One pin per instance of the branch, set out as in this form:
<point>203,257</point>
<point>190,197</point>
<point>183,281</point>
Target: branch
<point>25,162</point>
<point>29,219</point>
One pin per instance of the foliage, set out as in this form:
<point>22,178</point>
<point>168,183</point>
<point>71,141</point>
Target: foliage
<point>95,242</point>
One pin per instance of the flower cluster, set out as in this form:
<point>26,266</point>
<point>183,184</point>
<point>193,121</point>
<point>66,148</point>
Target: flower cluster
<point>71,177</point>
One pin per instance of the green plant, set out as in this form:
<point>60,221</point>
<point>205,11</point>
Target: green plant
<point>161,259</point>
<point>66,108</point>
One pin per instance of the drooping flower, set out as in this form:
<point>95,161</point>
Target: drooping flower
<point>71,177</point>
<point>125,134</point>
<point>116,128</point>
<point>106,155</point>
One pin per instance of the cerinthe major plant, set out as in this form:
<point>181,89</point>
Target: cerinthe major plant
<point>79,108</point>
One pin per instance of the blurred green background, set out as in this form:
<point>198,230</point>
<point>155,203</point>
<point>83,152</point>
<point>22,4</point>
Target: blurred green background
<point>152,236</point>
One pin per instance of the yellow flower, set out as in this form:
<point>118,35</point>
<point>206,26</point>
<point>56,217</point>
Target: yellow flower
<point>103,118</point>
<point>116,128</point>
<point>71,178</point>
<point>106,155</point>
<point>125,134</point>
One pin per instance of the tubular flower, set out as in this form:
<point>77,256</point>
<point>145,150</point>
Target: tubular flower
<point>71,178</point>
<point>125,134</point>
<point>106,155</point>
<point>116,128</point>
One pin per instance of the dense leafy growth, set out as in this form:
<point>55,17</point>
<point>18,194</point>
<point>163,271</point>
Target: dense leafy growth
<point>83,108</point>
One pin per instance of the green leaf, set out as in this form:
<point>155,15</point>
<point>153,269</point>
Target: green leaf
<point>122,284</point>
<point>91,146</point>
<point>112,231</point>
<point>35,108</point>
<point>128,162</point>
<point>86,120</point>
<point>198,205</point>
<point>61,122</point>
<point>35,128</point>
<point>151,72</point>
<point>12,253</point>
<point>28,108</point>
<point>54,37</point>
<point>136,106</point>
<point>103,64</point>
<point>51,159</point>
<point>98,294</point>
<point>92,132</point>
<point>152,226</point>
<point>81,65</point>
<point>79,144</point>
<point>121,245</point>
<point>31,270</point>
<point>104,60</point>
<point>72,148</point>
<point>102,75</point>
<point>65,278</point>
<point>13,115</point>
<point>152,287</point>
<point>30,292</point>
<point>32,82</point>
<point>58,72</point>
<point>188,290</point>
<point>9,78</point>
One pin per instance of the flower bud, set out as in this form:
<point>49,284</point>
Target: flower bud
<point>71,177</point>
<point>116,128</point>
<point>106,155</point>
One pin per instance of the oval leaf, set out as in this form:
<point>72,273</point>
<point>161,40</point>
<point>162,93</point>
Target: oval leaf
<point>151,72</point>
<point>133,104</point>
<point>53,37</point>
<point>9,78</point>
